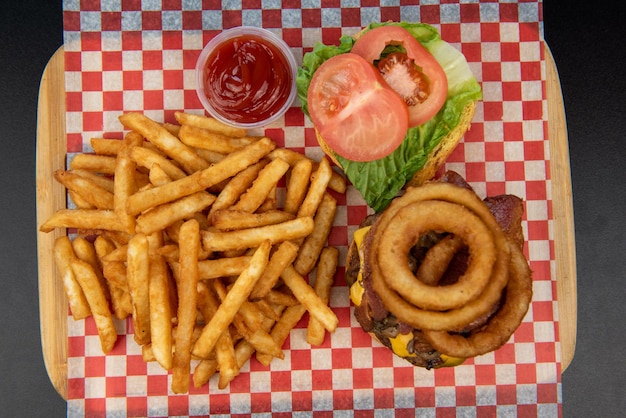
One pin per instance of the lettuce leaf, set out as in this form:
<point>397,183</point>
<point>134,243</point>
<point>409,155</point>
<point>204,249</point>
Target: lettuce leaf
<point>380,181</point>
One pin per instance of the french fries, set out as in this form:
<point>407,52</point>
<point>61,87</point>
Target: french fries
<point>196,246</point>
<point>232,302</point>
<point>186,286</point>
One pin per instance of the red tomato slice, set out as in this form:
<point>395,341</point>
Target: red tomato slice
<point>372,43</point>
<point>359,116</point>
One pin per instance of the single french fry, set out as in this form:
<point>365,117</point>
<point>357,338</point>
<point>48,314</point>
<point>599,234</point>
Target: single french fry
<point>86,251</point>
<point>223,267</point>
<point>160,312</point>
<point>324,279</point>
<point>78,200</point>
<point>125,183</point>
<point>105,146</point>
<point>288,320</point>
<point>187,304</point>
<point>203,372</point>
<point>97,302</point>
<point>87,189</point>
<point>197,137</point>
<point>63,255</point>
<point>298,184</point>
<point>211,124</point>
<point>252,237</point>
<point>313,243</point>
<point>138,276</point>
<point>230,219</point>
<point>237,186</point>
<point>262,185</point>
<point>165,141</point>
<point>147,158</point>
<point>103,164</point>
<point>106,182</point>
<point>307,296</point>
<point>317,189</point>
<point>337,183</point>
<point>230,305</point>
<point>201,180</point>
<point>282,257</point>
<point>164,215</point>
<point>90,219</point>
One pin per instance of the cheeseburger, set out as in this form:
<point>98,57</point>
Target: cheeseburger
<point>388,105</point>
<point>442,236</point>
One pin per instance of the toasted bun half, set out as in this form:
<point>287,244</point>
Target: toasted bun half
<point>437,156</point>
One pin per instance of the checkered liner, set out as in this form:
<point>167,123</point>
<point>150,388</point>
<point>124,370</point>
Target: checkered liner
<point>131,55</point>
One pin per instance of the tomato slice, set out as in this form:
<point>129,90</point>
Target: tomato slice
<point>359,116</point>
<point>372,43</point>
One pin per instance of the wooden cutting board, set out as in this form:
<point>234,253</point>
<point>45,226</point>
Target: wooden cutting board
<point>51,150</point>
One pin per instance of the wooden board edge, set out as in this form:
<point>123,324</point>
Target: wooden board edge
<point>50,156</point>
<point>563,213</point>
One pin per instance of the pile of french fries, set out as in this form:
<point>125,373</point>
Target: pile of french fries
<point>202,235</point>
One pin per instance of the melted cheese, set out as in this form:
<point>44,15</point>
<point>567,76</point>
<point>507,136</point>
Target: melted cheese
<point>400,343</point>
<point>356,290</point>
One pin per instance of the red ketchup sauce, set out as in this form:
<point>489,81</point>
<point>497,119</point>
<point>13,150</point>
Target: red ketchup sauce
<point>247,79</point>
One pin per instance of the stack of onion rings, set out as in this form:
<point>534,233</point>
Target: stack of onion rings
<point>444,313</point>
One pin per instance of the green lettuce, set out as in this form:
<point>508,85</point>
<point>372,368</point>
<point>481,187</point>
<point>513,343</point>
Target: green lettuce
<point>380,181</point>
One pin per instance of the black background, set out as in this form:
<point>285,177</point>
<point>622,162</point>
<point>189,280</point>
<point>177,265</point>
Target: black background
<point>587,41</point>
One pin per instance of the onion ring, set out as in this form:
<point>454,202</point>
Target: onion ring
<point>403,232</point>
<point>454,319</point>
<point>502,325</point>
<point>437,260</point>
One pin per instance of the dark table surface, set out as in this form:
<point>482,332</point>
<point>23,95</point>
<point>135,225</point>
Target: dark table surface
<point>587,41</point>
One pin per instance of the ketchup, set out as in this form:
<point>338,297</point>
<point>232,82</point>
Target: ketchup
<point>247,79</point>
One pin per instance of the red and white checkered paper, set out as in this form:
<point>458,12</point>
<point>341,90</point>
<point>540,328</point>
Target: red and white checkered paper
<point>132,55</point>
